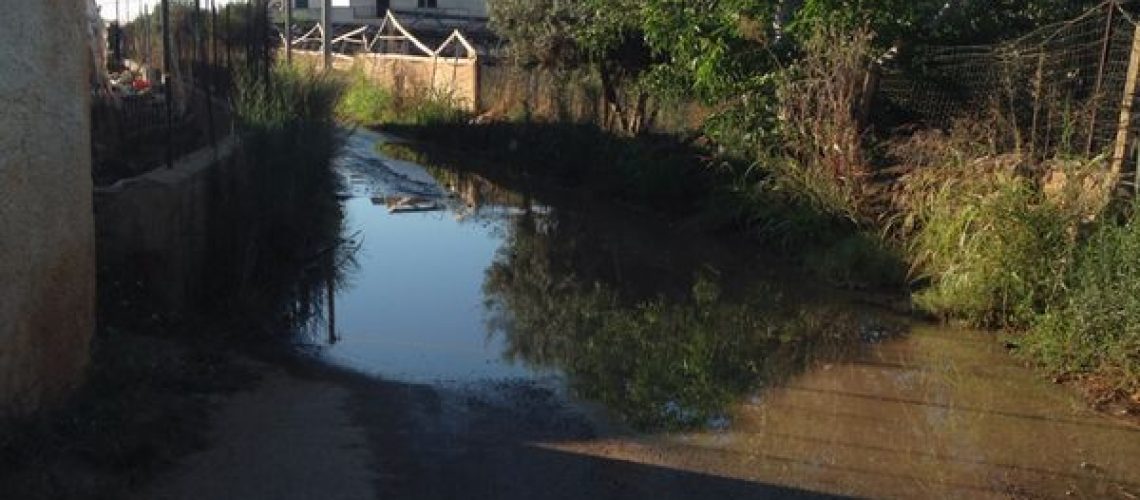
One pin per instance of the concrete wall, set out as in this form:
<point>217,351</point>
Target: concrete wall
<point>157,229</point>
<point>47,279</point>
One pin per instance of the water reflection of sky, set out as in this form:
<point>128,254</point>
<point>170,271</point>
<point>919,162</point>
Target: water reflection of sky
<point>412,309</point>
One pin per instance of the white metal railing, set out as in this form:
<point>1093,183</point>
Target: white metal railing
<point>367,37</point>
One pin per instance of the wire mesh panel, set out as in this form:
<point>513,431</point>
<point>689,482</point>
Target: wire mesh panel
<point>1055,91</point>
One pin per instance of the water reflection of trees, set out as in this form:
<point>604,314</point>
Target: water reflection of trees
<point>281,249</point>
<point>664,348</point>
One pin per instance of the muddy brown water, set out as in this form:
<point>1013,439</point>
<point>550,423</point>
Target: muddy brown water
<point>525,346</point>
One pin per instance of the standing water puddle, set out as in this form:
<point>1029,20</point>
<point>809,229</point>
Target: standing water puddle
<point>459,282</point>
<point>411,309</point>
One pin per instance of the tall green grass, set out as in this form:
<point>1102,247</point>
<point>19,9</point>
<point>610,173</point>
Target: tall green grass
<point>365,103</point>
<point>1096,328</point>
<point>991,249</point>
<point>287,210</point>
<point>369,104</point>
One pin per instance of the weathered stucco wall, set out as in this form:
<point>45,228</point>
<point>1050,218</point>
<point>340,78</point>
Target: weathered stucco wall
<point>405,75</point>
<point>47,279</point>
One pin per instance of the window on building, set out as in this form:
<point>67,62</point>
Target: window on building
<point>427,4</point>
<point>301,4</point>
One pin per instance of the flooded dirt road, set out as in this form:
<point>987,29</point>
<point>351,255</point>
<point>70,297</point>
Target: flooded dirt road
<point>484,341</point>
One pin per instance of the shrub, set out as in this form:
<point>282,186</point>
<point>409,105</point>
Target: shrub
<point>429,108</point>
<point>820,99</point>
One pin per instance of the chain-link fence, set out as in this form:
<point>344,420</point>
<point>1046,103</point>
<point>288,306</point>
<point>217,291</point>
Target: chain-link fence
<point>171,69</point>
<point>1057,90</point>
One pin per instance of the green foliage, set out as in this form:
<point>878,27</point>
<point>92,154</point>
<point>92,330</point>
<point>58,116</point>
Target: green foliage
<point>935,21</point>
<point>364,102</point>
<point>430,109</point>
<point>367,103</point>
<point>1096,329</point>
<point>859,260</point>
<point>288,212</point>
<point>667,361</point>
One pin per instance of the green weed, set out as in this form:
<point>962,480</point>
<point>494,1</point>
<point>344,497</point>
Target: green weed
<point>1096,328</point>
<point>364,102</point>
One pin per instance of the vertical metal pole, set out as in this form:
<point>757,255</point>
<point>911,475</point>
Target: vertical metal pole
<point>330,291</point>
<point>326,49</point>
<point>214,61</point>
<point>266,56</point>
<point>250,52</point>
<point>166,86</point>
<point>146,34</point>
<point>229,39</point>
<point>1038,89</point>
<point>1104,49</point>
<point>206,82</point>
<point>289,31</point>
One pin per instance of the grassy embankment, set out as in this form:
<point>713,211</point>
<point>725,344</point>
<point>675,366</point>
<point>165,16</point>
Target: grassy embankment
<point>1033,247</point>
<point>153,379</point>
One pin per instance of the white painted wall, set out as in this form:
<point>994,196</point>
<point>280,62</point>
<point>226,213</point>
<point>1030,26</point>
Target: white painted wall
<point>464,7</point>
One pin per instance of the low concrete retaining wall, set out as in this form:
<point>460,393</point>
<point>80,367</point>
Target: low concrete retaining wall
<point>156,229</point>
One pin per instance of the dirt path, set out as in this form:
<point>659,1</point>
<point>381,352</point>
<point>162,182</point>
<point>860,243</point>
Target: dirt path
<point>913,418</point>
<point>288,439</point>
<point>327,434</point>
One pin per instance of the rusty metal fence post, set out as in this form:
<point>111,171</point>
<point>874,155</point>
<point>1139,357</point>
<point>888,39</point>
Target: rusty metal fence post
<point>1128,99</point>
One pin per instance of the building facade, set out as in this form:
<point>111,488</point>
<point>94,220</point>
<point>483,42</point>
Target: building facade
<point>345,11</point>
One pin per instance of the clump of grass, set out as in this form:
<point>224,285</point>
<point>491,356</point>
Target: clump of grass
<point>859,260</point>
<point>990,247</point>
<point>288,209</point>
<point>429,108</point>
<point>1096,329</point>
<point>364,102</point>
<point>370,104</point>
<point>990,236</point>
